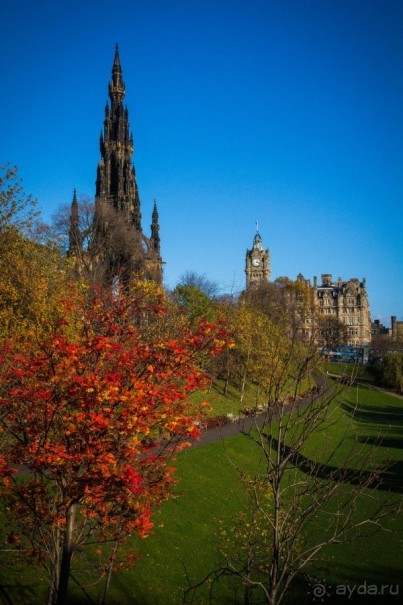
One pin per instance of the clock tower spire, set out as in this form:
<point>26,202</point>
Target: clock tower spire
<point>257,262</point>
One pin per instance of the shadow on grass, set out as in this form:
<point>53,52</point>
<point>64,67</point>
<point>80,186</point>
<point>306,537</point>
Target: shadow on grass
<point>372,415</point>
<point>389,479</point>
<point>389,442</point>
<point>139,598</point>
<point>17,593</point>
<point>13,591</point>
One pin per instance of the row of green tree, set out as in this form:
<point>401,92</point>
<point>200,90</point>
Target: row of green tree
<point>388,371</point>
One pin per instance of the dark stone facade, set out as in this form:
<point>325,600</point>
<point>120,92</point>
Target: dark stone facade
<point>118,246</point>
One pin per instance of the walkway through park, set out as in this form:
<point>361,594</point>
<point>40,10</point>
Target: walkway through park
<point>246,423</point>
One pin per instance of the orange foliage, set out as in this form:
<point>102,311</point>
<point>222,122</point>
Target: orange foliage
<point>94,413</point>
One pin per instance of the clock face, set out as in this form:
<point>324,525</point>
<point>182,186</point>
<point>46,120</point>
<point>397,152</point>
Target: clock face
<point>256,262</point>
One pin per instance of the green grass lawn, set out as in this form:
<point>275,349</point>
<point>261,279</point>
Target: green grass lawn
<point>185,538</point>
<point>221,405</point>
<point>377,559</point>
<point>356,371</point>
<point>209,489</point>
<point>185,534</point>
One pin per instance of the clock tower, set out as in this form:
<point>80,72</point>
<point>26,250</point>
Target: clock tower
<point>257,263</point>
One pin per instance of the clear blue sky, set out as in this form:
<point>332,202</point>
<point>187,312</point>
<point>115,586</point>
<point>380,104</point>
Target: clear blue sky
<point>287,112</point>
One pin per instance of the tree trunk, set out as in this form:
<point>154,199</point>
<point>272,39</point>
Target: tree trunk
<point>243,382</point>
<point>54,568</point>
<point>65,564</point>
<point>109,577</point>
<point>51,599</point>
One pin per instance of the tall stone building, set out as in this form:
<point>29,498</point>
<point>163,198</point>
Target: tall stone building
<point>118,245</point>
<point>348,302</point>
<point>257,263</point>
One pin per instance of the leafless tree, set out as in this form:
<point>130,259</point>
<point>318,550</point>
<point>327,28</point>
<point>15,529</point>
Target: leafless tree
<point>60,223</point>
<point>116,249</point>
<point>382,344</point>
<point>299,500</point>
<point>103,246</point>
<point>331,332</point>
<point>201,281</point>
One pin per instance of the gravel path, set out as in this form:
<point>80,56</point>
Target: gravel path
<point>246,423</point>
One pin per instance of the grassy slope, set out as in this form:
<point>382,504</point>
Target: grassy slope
<point>221,404</point>
<point>359,372</point>
<point>377,559</point>
<point>209,489</point>
<point>185,530</point>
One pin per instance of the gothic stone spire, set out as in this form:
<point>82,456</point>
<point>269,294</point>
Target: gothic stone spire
<point>116,182</point>
<point>117,88</point>
<point>75,243</point>
<point>118,241</point>
<point>155,236</point>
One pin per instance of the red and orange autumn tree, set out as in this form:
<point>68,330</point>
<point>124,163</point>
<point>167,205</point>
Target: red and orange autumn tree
<point>90,417</point>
